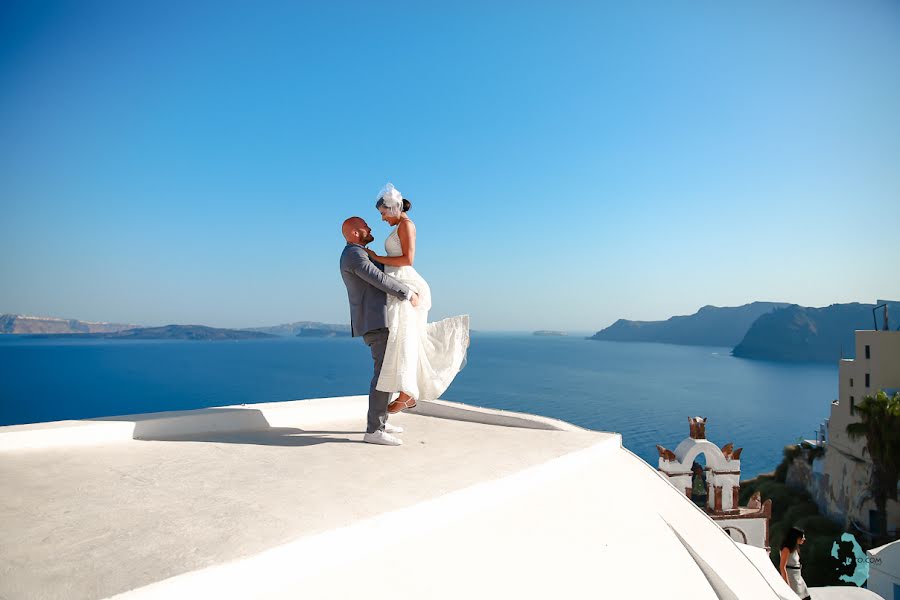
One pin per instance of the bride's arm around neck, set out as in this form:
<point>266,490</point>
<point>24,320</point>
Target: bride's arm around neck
<point>406,230</point>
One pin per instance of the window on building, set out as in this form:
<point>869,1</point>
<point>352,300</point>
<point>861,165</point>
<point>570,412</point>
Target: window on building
<point>868,352</point>
<point>867,380</point>
<point>877,522</point>
<point>851,382</point>
<point>852,406</point>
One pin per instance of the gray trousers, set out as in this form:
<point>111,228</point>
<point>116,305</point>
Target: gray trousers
<point>376,340</point>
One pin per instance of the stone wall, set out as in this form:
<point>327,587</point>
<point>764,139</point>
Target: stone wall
<point>839,486</point>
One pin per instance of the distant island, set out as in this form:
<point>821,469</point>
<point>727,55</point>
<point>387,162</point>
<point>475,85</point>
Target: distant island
<point>320,332</point>
<point>547,332</point>
<point>761,330</point>
<point>800,333</point>
<point>305,329</point>
<point>167,332</point>
<point>55,327</point>
<point>24,324</point>
<point>709,326</point>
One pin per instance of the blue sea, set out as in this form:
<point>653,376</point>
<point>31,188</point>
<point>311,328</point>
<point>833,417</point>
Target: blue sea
<point>644,391</point>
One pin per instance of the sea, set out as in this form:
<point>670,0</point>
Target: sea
<point>644,391</point>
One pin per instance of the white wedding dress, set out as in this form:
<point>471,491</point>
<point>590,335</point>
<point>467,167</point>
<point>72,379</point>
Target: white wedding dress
<point>422,358</point>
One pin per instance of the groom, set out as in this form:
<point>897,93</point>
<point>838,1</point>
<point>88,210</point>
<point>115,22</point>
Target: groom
<point>367,289</point>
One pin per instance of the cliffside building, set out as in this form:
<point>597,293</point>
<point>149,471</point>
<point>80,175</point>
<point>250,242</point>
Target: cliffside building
<point>840,480</point>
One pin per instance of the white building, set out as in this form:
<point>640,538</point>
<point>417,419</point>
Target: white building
<point>282,500</point>
<point>843,487</point>
<point>884,571</point>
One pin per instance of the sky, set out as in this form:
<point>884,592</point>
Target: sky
<point>569,163</point>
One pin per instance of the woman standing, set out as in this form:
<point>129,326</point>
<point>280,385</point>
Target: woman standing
<point>790,561</point>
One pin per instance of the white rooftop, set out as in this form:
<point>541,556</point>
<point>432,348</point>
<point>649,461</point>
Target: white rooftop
<point>283,500</point>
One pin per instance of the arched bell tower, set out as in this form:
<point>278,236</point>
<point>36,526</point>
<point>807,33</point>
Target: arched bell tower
<point>723,480</point>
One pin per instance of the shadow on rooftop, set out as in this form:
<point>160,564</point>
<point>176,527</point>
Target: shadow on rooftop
<point>227,426</point>
<point>274,436</point>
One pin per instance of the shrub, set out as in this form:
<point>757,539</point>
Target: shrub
<point>800,510</point>
<point>819,525</point>
<point>782,496</point>
<point>749,487</point>
<point>790,453</point>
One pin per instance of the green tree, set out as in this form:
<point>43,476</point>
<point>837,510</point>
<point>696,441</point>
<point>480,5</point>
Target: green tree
<point>880,425</point>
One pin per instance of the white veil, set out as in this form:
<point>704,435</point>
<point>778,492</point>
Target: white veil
<point>391,199</point>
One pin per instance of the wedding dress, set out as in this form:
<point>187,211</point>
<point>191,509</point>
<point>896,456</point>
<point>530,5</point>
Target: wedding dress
<point>422,358</point>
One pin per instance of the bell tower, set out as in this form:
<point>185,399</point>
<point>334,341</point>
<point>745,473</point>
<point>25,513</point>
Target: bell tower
<point>723,484</point>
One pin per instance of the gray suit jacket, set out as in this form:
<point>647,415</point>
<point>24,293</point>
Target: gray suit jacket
<point>367,289</point>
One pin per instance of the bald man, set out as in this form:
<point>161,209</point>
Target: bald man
<point>367,289</point>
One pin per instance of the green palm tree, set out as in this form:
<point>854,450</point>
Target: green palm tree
<point>880,424</point>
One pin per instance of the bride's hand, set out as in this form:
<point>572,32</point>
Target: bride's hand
<point>372,254</point>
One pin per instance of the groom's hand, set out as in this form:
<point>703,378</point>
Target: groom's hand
<point>414,299</point>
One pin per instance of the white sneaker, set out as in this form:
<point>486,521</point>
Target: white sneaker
<point>388,428</point>
<point>380,437</point>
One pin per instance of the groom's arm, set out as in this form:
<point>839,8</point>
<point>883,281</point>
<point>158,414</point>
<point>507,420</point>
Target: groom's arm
<point>361,266</point>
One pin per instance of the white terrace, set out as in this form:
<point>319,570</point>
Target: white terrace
<point>282,500</point>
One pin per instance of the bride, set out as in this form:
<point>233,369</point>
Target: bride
<point>422,358</point>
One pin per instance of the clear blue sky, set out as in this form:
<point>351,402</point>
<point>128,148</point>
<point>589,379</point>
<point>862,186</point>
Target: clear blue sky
<point>568,163</point>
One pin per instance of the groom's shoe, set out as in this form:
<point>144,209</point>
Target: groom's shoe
<point>380,437</point>
<point>388,428</point>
